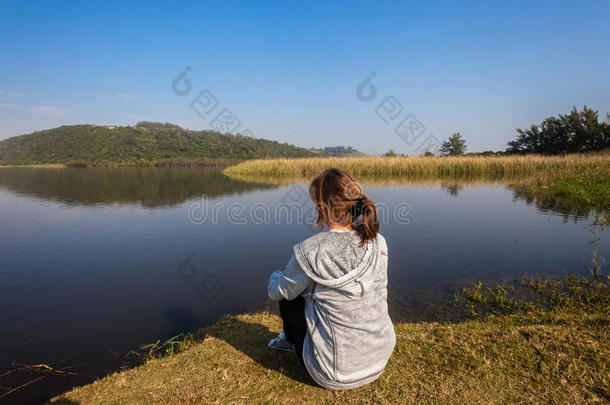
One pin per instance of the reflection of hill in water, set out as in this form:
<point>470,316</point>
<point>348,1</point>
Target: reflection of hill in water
<point>154,187</point>
<point>151,187</point>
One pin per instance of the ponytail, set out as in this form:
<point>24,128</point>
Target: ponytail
<point>340,200</point>
<point>364,219</point>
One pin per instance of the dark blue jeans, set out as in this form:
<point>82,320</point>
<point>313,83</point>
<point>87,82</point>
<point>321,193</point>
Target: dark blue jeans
<point>295,328</point>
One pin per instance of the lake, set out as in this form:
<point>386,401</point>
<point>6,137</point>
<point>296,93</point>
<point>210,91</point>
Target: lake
<point>96,262</point>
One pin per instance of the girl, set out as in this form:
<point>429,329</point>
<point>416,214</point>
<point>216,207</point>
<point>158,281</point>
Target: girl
<point>333,292</point>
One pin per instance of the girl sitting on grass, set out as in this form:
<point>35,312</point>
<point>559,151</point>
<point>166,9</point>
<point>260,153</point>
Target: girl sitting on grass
<point>333,292</point>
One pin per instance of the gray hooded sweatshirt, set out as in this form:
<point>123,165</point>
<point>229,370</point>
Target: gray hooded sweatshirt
<point>350,336</point>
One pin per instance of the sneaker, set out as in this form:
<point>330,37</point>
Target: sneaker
<point>280,343</point>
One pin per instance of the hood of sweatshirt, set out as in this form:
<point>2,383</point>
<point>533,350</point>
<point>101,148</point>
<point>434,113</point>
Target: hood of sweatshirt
<point>334,258</point>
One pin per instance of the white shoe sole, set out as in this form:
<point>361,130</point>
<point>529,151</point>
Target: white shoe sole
<point>284,349</point>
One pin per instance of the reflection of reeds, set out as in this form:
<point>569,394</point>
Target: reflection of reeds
<point>574,185</point>
<point>497,168</point>
<point>372,181</point>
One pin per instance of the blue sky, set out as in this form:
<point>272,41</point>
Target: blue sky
<point>289,71</point>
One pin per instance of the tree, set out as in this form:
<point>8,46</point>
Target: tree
<point>338,150</point>
<point>153,125</point>
<point>578,131</point>
<point>454,146</point>
<point>390,153</point>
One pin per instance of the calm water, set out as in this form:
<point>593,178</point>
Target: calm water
<point>95,262</point>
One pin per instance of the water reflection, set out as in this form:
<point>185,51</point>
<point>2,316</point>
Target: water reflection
<point>453,189</point>
<point>569,209</point>
<point>150,187</point>
<point>158,187</point>
<point>454,185</point>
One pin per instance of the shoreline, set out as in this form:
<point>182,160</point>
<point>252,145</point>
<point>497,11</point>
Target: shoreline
<point>535,357</point>
<point>578,164</point>
<point>549,347</point>
<point>113,165</point>
<point>40,166</point>
<point>220,163</point>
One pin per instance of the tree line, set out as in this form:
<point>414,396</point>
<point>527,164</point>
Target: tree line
<point>576,132</point>
<point>154,125</point>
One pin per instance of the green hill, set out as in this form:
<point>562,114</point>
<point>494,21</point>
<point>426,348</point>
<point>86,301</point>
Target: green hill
<point>141,145</point>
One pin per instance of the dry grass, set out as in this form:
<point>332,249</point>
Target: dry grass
<point>572,183</point>
<point>44,166</point>
<point>533,358</point>
<point>509,167</point>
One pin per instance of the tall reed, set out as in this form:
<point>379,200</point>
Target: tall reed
<point>506,167</point>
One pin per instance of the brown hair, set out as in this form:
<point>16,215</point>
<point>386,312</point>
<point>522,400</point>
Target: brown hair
<point>340,200</point>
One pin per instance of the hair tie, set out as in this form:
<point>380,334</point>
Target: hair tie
<point>357,210</point>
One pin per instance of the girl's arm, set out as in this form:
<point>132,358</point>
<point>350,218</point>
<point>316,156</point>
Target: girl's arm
<point>288,284</point>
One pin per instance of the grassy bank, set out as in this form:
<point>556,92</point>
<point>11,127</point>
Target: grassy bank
<point>595,191</point>
<point>508,167</point>
<point>46,166</point>
<point>576,195</point>
<point>536,340</point>
<point>165,163</point>
<point>556,357</point>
